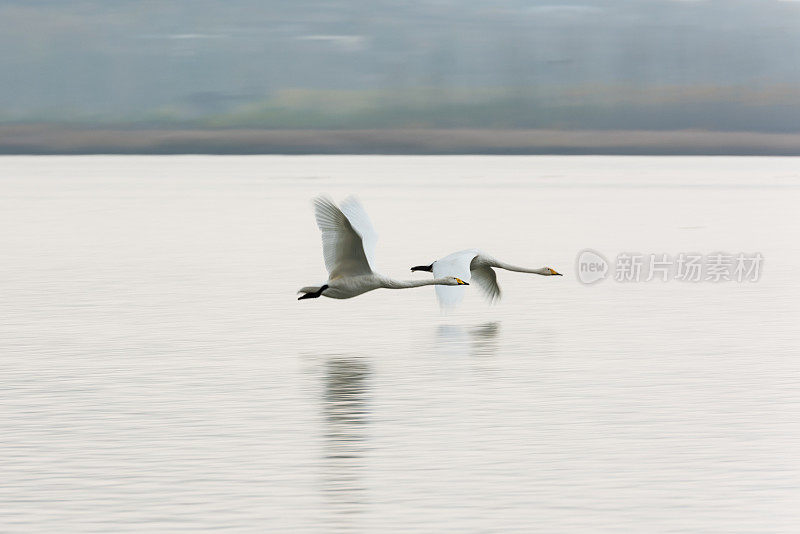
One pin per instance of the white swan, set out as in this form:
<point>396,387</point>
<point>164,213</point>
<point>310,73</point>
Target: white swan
<point>348,245</point>
<point>472,265</point>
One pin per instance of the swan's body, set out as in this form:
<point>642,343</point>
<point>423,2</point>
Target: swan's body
<point>474,265</point>
<point>348,245</point>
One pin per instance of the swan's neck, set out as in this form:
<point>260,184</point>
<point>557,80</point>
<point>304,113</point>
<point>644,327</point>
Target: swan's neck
<point>499,264</point>
<point>390,283</point>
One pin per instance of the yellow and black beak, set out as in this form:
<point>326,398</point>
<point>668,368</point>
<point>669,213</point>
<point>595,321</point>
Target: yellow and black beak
<point>461,282</point>
<point>554,273</point>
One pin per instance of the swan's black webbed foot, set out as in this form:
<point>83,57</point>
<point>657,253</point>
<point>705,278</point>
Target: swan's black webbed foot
<point>314,295</point>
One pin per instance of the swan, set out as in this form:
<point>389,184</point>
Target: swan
<point>348,245</point>
<point>472,264</point>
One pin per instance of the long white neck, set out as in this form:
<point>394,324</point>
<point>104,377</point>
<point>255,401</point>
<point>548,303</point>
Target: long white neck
<point>507,267</point>
<point>390,283</point>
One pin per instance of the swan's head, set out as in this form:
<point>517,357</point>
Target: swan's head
<point>453,281</point>
<point>551,272</point>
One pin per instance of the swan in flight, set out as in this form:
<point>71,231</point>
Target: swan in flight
<point>348,245</point>
<point>473,265</point>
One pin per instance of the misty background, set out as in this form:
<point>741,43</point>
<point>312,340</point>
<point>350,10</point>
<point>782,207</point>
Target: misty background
<point>722,66</point>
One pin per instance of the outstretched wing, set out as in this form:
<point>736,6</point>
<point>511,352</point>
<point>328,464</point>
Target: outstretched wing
<point>456,264</point>
<point>342,246</point>
<point>486,279</point>
<point>361,223</point>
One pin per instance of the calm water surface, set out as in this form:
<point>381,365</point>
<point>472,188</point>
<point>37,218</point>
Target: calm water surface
<point>158,374</point>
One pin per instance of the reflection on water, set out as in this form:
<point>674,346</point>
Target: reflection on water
<point>160,376</point>
<point>478,340</point>
<point>484,338</point>
<point>346,412</point>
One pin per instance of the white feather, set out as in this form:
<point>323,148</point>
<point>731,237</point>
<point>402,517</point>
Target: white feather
<point>486,279</point>
<point>342,246</point>
<point>456,264</point>
<point>362,224</point>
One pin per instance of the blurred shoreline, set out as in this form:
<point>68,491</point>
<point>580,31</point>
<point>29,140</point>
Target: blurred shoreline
<point>59,139</point>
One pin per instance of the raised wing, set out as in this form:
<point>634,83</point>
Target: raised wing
<point>456,264</point>
<point>342,245</point>
<point>361,223</point>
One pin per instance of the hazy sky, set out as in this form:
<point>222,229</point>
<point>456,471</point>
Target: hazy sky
<point>94,58</point>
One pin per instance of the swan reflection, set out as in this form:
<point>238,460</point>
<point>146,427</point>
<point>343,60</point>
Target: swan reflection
<point>345,405</point>
<point>477,340</point>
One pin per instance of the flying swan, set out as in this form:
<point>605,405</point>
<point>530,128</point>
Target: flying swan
<point>348,245</point>
<point>473,265</point>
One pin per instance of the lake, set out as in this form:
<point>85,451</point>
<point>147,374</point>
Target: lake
<point>159,374</point>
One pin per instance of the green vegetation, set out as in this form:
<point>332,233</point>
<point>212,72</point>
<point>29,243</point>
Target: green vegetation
<point>598,108</point>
